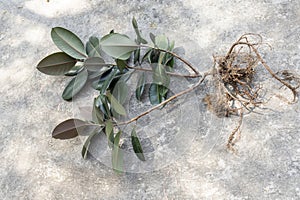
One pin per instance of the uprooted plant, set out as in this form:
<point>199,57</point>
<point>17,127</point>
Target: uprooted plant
<point>233,76</point>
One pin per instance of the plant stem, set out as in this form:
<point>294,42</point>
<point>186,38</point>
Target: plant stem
<point>176,56</point>
<point>170,73</point>
<point>166,101</point>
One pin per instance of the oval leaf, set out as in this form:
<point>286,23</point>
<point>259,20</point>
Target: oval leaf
<point>85,148</point>
<point>97,115</point>
<point>74,70</point>
<point>137,147</point>
<point>161,41</point>
<point>93,48</point>
<point>56,64</point>
<point>120,91</point>
<point>160,76</point>
<point>117,155</point>
<point>94,63</point>
<point>68,42</point>
<point>68,129</point>
<point>116,106</point>
<point>75,85</point>
<point>118,46</point>
<point>157,93</point>
<point>140,86</point>
<point>121,64</point>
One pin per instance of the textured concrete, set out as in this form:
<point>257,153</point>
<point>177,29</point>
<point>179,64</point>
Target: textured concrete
<point>35,166</point>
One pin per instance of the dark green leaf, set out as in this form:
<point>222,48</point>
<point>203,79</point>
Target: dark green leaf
<point>97,114</point>
<point>75,85</point>
<point>108,81</point>
<point>74,70</point>
<point>68,42</point>
<point>117,154</point>
<point>134,23</point>
<point>137,55</point>
<point>69,129</point>
<point>93,48</point>
<point>137,147</point>
<point>109,133</point>
<point>138,33</point>
<point>160,76</point>
<point>103,105</point>
<point>152,37</point>
<point>94,63</point>
<point>157,93</point>
<point>140,86</point>
<point>121,64</point>
<point>116,106</point>
<point>118,46</point>
<point>56,64</point>
<point>120,91</point>
<point>97,74</point>
<point>85,148</point>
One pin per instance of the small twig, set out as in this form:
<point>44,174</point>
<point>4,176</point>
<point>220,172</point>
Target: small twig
<point>176,56</point>
<point>170,73</point>
<point>168,100</point>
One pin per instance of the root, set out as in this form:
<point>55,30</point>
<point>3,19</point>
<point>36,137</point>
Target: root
<point>234,76</point>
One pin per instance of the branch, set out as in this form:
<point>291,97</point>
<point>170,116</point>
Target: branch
<point>170,73</point>
<point>176,56</point>
<point>166,101</point>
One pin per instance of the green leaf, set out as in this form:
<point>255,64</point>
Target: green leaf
<point>97,74</point>
<point>74,70</point>
<point>118,46</point>
<point>75,85</point>
<point>69,129</point>
<point>120,91</point>
<point>140,86</point>
<point>93,48</point>
<point>108,81</point>
<point>68,42</point>
<point>103,105</point>
<point>109,133</point>
<point>157,93</point>
<point>117,154</point>
<point>116,106</point>
<point>161,41</point>
<point>152,37</point>
<point>85,148</point>
<point>56,64</point>
<point>172,45</point>
<point>97,114</point>
<point>160,76</point>
<point>138,33</point>
<point>94,63</point>
<point>137,54</point>
<point>137,147</point>
<point>121,64</point>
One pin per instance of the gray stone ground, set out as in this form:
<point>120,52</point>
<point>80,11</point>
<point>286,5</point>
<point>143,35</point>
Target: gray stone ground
<point>35,166</point>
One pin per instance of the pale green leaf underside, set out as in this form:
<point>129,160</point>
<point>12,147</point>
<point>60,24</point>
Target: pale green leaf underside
<point>68,42</point>
<point>118,46</point>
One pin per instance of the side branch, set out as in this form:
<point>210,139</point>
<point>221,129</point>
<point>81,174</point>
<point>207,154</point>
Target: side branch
<point>176,56</point>
<point>170,73</point>
<point>166,101</point>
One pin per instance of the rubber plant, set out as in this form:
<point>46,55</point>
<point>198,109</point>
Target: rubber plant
<point>86,62</point>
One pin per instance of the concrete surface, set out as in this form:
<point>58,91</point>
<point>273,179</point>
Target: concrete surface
<point>35,166</point>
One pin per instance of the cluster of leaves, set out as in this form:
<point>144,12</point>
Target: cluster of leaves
<point>86,64</point>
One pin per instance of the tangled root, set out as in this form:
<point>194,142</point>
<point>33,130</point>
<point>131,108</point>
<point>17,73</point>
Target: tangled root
<point>234,76</point>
